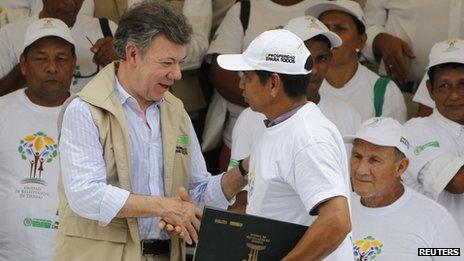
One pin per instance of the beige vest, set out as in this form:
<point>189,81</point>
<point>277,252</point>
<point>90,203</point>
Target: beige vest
<point>84,239</point>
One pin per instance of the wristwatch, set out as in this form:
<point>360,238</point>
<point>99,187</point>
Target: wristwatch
<point>243,171</point>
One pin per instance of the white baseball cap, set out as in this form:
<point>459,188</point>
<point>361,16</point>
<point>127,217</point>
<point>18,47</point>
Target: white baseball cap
<point>346,6</point>
<point>307,27</point>
<point>450,51</point>
<point>383,132</point>
<point>278,51</point>
<point>47,27</point>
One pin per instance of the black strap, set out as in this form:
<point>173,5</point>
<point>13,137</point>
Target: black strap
<point>244,13</point>
<point>105,27</point>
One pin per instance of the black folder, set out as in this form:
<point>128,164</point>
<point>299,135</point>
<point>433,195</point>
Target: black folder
<point>226,235</point>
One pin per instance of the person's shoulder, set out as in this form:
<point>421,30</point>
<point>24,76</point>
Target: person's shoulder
<point>314,125</point>
<point>10,99</point>
<point>19,24</point>
<point>425,207</point>
<point>424,123</point>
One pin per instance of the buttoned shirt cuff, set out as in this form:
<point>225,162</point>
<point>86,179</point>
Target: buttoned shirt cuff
<point>113,200</point>
<point>218,198</point>
<point>436,174</point>
<point>368,50</point>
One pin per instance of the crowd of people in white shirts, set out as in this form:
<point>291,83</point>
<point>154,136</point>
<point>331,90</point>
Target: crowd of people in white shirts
<point>407,174</point>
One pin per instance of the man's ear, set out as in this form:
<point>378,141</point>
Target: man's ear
<point>402,166</point>
<point>131,54</point>
<point>22,64</point>
<point>429,85</point>
<point>275,83</point>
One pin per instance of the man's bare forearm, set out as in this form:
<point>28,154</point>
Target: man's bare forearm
<point>141,206</point>
<point>326,233</point>
<point>456,185</point>
<point>13,81</point>
<point>232,183</point>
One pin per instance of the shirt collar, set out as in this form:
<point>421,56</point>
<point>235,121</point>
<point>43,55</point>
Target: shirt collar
<point>282,117</point>
<point>454,127</point>
<point>125,97</point>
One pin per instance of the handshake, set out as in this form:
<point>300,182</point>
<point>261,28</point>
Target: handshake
<point>180,217</point>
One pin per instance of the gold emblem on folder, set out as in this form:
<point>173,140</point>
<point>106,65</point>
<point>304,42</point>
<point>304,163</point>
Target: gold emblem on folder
<point>257,244</point>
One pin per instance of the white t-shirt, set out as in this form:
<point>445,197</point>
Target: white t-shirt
<point>12,40</point>
<point>299,162</point>
<point>230,38</point>
<point>250,126</point>
<point>359,92</point>
<point>422,94</point>
<point>29,168</point>
<point>395,232</point>
<point>433,138</point>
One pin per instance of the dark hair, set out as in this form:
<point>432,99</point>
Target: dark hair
<point>145,20</point>
<point>321,38</point>
<point>399,155</point>
<point>431,71</point>
<point>359,25</point>
<point>28,48</point>
<point>294,85</point>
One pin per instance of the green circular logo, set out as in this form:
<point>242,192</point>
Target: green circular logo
<point>27,222</point>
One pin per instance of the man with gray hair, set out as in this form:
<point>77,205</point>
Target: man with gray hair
<point>128,149</point>
<point>390,220</point>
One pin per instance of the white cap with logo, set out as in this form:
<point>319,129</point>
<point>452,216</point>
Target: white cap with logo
<point>450,51</point>
<point>383,132</point>
<point>47,27</point>
<point>278,51</point>
<point>307,27</point>
<point>346,6</point>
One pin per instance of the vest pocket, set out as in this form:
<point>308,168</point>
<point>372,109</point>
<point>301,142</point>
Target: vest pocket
<point>116,231</point>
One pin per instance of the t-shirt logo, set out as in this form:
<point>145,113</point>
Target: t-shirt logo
<point>37,150</point>
<point>182,144</point>
<point>367,248</point>
<point>422,147</point>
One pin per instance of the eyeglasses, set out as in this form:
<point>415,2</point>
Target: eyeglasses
<point>78,74</point>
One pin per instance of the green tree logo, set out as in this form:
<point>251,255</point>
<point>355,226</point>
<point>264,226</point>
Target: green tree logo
<point>367,248</point>
<point>37,149</point>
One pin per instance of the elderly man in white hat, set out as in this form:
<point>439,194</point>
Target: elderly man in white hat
<point>438,159</point>
<point>390,220</point>
<point>300,160</point>
<point>29,165</point>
